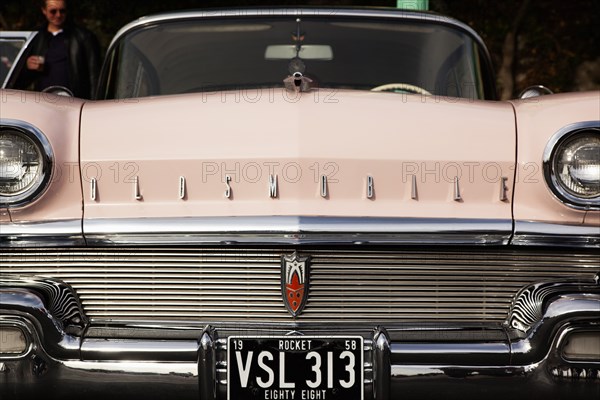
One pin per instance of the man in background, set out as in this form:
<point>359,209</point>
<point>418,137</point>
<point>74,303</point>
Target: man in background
<point>62,54</point>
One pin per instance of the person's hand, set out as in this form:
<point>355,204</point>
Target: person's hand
<point>35,63</point>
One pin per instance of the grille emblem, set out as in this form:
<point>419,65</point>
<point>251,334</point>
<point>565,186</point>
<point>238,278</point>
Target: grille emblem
<point>294,282</point>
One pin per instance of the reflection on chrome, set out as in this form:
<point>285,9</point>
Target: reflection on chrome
<point>177,369</point>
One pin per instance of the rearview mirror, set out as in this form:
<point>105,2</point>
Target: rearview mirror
<point>307,52</point>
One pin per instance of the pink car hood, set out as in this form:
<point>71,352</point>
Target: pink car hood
<point>383,155</point>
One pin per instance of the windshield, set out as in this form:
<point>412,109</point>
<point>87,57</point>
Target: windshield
<point>345,53</point>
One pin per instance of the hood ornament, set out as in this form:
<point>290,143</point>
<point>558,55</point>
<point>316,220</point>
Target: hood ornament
<point>295,276</point>
<point>296,81</point>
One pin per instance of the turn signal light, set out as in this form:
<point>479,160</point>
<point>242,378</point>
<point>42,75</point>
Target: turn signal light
<point>12,341</point>
<point>582,346</point>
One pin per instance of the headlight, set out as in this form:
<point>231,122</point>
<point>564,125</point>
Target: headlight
<point>572,165</point>
<point>577,163</point>
<point>25,163</point>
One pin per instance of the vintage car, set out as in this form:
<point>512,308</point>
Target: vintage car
<point>299,203</point>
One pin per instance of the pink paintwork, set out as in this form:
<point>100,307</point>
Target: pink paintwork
<point>206,136</point>
<point>346,135</point>
<point>58,118</point>
<point>537,121</point>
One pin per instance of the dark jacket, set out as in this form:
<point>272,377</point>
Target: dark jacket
<point>84,60</point>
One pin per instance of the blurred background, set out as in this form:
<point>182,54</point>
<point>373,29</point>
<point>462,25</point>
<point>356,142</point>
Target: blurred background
<point>551,42</point>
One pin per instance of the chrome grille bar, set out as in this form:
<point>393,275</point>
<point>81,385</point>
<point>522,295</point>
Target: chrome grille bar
<point>198,285</point>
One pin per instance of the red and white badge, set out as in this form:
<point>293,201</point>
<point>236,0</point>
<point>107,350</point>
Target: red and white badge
<point>295,275</point>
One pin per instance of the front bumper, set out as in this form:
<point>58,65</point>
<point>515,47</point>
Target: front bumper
<point>67,358</point>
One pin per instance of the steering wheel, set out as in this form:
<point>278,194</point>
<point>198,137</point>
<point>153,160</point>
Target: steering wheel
<point>401,86</point>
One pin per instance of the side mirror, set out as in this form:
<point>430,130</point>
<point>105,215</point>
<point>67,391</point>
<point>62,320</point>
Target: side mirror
<point>535,91</point>
<point>59,90</point>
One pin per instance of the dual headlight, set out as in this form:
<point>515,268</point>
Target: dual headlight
<point>572,165</point>
<point>25,163</point>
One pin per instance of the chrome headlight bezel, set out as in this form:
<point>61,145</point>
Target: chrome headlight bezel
<point>551,175</point>
<point>41,182</point>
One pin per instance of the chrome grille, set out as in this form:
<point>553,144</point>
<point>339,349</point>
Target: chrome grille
<point>198,285</point>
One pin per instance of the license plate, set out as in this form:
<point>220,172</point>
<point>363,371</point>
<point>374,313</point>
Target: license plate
<point>295,368</point>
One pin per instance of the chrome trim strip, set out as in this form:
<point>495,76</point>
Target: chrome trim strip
<point>392,13</point>
<point>182,187</point>
<point>382,365</point>
<point>457,196</point>
<point>413,191</point>
<point>227,186</point>
<point>370,187</point>
<point>552,181</point>
<point>207,372</point>
<point>532,233</point>
<point>273,186</point>
<point>503,189</point>
<point>297,230</point>
<point>136,188</point>
<point>93,189</point>
<point>324,186</point>
<point>139,350</point>
<point>52,233</point>
<point>124,368</point>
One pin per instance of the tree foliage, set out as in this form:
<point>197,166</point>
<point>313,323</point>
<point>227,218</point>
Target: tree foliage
<point>553,40</point>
